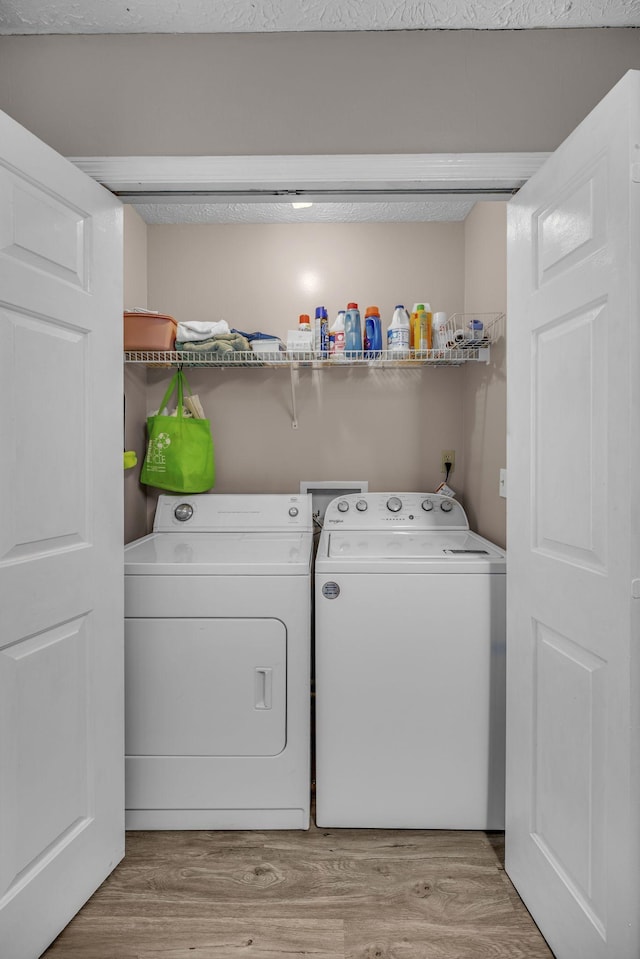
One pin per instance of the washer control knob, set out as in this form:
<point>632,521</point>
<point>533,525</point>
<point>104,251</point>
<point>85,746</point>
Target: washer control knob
<point>362,505</point>
<point>183,512</point>
<point>394,504</point>
<point>293,511</point>
<point>427,505</point>
<point>343,506</point>
<point>446,505</point>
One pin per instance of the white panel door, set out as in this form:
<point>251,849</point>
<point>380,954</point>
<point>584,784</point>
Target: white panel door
<point>573,642</point>
<point>61,595</point>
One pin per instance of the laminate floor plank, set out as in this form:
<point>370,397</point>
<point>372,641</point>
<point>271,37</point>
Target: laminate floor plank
<point>325,843</point>
<point>333,888</point>
<point>203,938</point>
<point>418,940</point>
<point>325,893</point>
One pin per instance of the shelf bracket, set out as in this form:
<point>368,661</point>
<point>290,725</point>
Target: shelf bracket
<point>294,411</point>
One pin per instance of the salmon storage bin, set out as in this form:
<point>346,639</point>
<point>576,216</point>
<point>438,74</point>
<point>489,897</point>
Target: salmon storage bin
<point>149,331</point>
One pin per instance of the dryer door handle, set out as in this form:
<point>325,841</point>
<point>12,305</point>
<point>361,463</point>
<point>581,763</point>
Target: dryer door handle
<point>264,686</point>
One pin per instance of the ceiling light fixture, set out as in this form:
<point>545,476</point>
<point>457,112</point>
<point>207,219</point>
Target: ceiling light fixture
<point>300,206</point>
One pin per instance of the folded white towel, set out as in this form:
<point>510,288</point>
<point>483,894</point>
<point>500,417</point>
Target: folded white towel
<point>193,332</point>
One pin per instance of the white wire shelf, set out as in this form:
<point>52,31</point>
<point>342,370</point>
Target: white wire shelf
<point>287,359</point>
<point>458,343</point>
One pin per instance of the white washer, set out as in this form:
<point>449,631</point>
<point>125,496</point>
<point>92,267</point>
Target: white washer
<point>410,666</point>
<point>217,640</point>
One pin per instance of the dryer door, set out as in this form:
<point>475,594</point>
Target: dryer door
<point>205,687</point>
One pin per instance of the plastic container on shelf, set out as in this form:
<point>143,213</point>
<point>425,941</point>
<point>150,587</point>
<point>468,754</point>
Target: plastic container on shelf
<point>149,331</point>
<point>336,337</point>
<point>476,334</point>
<point>304,323</point>
<point>372,332</point>
<point>267,345</point>
<point>398,333</point>
<point>352,331</point>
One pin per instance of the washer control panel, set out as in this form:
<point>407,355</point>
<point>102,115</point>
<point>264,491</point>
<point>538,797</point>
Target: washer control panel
<point>395,510</point>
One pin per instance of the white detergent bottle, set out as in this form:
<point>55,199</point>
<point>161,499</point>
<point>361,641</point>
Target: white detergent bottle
<point>398,333</point>
<point>336,337</point>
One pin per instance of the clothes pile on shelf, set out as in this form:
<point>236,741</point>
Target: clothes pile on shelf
<point>215,339</point>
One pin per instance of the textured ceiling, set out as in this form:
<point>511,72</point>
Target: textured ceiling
<point>266,16</point>
<point>398,212</point>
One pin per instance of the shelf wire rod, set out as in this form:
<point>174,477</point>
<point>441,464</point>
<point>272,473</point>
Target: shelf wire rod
<point>294,410</point>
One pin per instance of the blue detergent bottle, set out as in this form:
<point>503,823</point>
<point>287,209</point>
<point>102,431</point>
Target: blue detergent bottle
<point>372,332</point>
<point>352,331</point>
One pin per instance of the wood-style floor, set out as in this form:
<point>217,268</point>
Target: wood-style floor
<point>325,894</point>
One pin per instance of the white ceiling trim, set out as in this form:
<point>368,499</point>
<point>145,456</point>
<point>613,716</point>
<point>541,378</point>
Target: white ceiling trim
<point>285,176</point>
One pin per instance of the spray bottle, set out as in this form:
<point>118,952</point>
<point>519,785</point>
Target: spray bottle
<point>320,332</point>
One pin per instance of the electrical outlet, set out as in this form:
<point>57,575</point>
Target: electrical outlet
<point>448,456</point>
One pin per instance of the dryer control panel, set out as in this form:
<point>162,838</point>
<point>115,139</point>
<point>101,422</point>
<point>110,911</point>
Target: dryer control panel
<point>218,512</point>
<point>395,511</point>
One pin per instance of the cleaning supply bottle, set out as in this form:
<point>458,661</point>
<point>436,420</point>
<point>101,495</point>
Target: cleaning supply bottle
<point>321,332</point>
<point>398,333</point>
<point>439,331</point>
<point>372,332</point>
<point>336,337</point>
<point>414,330</point>
<point>303,324</point>
<point>476,332</point>
<point>421,321</point>
<point>352,331</point>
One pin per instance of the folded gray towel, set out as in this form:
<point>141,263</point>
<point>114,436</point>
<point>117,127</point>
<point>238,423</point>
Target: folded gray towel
<point>224,347</point>
<point>221,343</point>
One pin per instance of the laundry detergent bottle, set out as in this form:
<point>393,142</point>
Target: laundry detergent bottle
<point>336,337</point>
<point>372,332</point>
<point>352,331</point>
<point>398,333</point>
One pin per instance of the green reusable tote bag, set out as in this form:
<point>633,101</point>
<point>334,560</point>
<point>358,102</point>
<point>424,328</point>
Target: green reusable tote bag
<point>179,455</point>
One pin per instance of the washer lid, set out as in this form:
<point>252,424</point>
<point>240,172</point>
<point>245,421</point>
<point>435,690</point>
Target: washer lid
<point>220,554</point>
<point>399,551</point>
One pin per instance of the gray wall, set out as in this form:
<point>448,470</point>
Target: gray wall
<point>235,94</point>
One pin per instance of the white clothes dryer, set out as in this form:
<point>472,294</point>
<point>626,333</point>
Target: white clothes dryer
<point>410,666</point>
<point>217,664</point>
